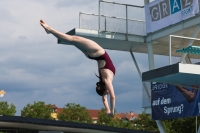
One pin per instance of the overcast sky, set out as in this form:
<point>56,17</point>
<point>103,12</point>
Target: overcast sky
<point>33,67</point>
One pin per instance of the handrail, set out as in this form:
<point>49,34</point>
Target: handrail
<point>111,17</point>
<point>121,4</point>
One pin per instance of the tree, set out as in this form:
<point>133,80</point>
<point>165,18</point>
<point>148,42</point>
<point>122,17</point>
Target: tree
<point>37,110</point>
<point>7,109</point>
<point>76,113</point>
<point>124,124</point>
<point>181,125</point>
<point>105,120</point>
<point>145,123</point>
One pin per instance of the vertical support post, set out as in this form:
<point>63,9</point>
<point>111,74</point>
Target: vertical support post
<point>170,50</point>
<point>151,66</point>
<point>79,19</point>
<point>190,42</point>
<point>160,126</point>
<point>146,2</point>
<point>105,23</point>
<point>99,16</point>
<point>196,124</point>
<point>187,60</point>
<point>139,72</point>
<point>150,56</point>
<point>126,22</point>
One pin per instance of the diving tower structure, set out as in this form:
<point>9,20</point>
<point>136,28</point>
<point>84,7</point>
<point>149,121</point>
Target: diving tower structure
<point>154,43</point>
<point>139,40</point>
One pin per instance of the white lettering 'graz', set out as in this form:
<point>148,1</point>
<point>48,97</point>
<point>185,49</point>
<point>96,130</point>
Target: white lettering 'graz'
<point>168,7</point>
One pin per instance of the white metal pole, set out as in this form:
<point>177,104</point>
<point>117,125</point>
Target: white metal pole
<point>151,66</point>
<point>146,2</point>
<point>99,16</point>
<point>126,22</point>
<point>170,50</point>
<point>189,38</point>
<point>150,56</point>
<point>160,126</point>
<point>196,124</point>
<point>105,23</point>
<point>187,60</point>
<point>139,72</point>
<point>79,19</point>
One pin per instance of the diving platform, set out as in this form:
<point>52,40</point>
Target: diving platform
<point>177,74</point>
<point>110,40</point>
<point>138,43</point>
<point>155,43</point>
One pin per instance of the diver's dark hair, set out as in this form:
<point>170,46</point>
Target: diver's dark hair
<point>100,86</point>
<point>100,89</point>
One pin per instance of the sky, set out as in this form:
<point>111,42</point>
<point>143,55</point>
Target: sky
<point>33,67</point>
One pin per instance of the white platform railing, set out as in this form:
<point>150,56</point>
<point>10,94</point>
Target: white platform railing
<point>129,20</point>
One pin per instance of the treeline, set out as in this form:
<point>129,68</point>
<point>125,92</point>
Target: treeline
<point>77,113</point>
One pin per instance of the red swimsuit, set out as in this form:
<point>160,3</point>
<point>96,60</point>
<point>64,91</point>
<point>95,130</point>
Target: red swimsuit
<point>109,65</point>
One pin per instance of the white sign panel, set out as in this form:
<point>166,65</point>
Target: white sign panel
<point>162,13</point>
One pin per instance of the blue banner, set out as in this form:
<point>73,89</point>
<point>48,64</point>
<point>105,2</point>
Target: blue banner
<point>170,101</point>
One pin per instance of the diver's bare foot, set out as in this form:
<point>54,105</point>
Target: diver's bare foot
<point>45,26</point>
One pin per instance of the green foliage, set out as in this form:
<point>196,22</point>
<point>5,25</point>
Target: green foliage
<point>7,109</point>
<point>76,113</point>
<point>124,124</point>
<point>145,123</point>
<point>105,120</point>
<point>37,110</point>
<point>181,125</point>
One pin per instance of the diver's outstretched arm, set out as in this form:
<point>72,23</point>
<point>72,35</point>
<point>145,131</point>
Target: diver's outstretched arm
<point>107,78</point>
<point>105,102</point>
<point>110,88</point>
